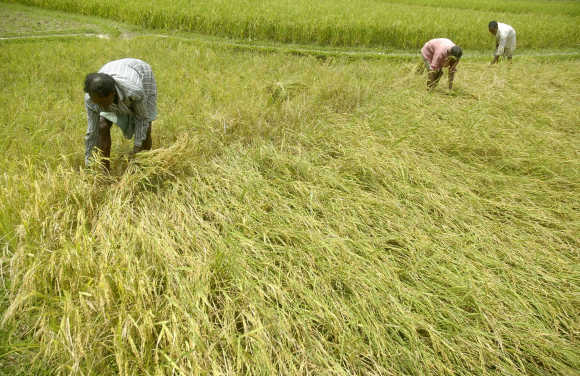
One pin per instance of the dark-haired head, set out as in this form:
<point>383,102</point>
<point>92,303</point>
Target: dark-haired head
<point>492,25</point>
<point>456,51</point>
<point>99,84</point>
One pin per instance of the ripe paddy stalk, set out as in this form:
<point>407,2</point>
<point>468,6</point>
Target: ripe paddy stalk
<point>332,21</point>
<point>297,217</point>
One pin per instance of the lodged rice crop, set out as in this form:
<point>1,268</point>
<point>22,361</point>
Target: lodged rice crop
<point>297,216</point>
<point>370,23</point>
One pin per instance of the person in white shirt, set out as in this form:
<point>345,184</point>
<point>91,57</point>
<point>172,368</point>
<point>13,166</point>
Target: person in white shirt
<point>505,40</point>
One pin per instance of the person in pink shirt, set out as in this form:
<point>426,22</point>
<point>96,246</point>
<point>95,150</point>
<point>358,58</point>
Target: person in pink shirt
<point>437,54</point>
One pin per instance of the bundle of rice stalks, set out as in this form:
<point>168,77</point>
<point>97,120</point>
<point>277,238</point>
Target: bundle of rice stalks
<point>154,169</point>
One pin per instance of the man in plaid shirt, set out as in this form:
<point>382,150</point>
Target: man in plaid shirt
<point>122,92</point>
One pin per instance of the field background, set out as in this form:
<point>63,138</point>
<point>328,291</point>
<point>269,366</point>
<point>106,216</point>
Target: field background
<point>299,214</point>
<point>372,23</point>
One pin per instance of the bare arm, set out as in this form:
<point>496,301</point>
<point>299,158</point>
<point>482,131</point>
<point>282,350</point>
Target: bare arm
<point>452,70</point>
<point>451,77</point>
<point>495,54</point>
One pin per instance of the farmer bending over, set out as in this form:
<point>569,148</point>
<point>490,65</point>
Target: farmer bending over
<point>505,40</point>
<point>437,54</point>
<point>122,92</point>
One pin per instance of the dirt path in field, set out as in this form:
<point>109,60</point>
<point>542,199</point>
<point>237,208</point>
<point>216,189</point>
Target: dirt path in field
<point>21,23</point>
<point>51,36</point>
<point>265,47</point>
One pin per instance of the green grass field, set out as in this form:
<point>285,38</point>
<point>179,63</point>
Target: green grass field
<point>298,215</point>
<point>372,23</point>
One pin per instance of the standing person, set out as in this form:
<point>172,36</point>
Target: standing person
<point>437,54</point>
<point>122,92</point>
<point>505,40</point>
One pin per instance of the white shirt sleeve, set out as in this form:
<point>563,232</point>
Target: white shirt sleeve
<point>501,45</point>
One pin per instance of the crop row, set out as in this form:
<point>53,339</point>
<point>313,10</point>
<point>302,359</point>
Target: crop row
<point>383,24</point>
<point>562,7</point>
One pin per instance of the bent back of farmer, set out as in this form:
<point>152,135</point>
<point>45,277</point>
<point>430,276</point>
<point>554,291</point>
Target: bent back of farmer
<point>123,92</point>
<point>437,54</point>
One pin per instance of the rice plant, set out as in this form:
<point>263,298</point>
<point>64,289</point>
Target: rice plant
<point>296,216</point>
<point>374,23</point>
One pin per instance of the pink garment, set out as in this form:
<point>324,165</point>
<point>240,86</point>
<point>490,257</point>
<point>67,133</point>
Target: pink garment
<point>436,52</point>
